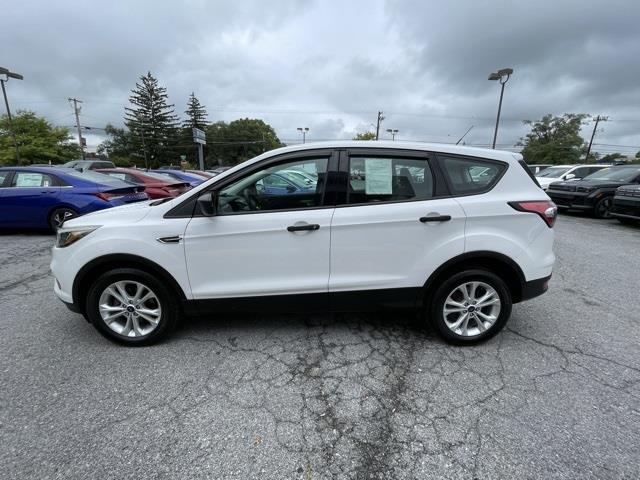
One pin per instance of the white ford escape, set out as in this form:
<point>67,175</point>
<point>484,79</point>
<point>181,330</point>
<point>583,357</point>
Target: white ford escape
<point>460,233</point>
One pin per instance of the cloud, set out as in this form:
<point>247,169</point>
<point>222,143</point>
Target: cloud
<point>332,65</point>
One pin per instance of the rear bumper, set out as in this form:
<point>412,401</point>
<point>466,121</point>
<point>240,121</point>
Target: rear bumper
<point>535,288</point>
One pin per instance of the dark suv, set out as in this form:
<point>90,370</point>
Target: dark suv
<point>595,192</point>
<point>626,204</point>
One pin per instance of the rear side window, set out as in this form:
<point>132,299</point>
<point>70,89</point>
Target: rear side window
<point>388,179</point>
<point>467,176</point>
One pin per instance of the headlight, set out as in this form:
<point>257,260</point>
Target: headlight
<point>66,237</point>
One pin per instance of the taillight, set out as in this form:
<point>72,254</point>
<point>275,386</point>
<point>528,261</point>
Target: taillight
<point>108,196</point>
<point>546,209</point>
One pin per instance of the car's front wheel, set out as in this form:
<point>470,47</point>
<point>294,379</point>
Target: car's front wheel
<point>470,307</point>
<point>603,208</point>
<point>132,307</point>
<point>59,216</point>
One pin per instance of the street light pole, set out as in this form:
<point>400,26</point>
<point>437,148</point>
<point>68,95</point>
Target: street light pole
<point>503,77</point>
<point>304,131</point>
<point>393,132</point>
<point>8,74</point>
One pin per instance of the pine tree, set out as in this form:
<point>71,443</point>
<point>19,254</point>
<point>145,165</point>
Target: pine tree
<point>196,114</point>
<point>152,122</point>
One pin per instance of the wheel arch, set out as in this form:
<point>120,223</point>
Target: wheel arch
<point>96,267</point>
<point>494,262</point>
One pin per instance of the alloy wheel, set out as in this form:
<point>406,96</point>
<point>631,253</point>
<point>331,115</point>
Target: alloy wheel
<point>604,208</point>
<point>130,308</point>
<point>471,308</point>
<point>60,216</point>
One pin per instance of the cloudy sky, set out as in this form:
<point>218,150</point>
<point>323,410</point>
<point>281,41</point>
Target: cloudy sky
<point>330,65</point>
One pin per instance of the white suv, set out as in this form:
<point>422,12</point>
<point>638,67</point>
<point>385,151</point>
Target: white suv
<point>459,233</point>
<point>558,173</point>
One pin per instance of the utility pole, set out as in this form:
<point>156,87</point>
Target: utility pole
<point>380,119</point>
<point>593,134</point>
<point>76,110</point>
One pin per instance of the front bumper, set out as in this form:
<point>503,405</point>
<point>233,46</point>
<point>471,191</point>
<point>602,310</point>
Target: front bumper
<point>573,200</point>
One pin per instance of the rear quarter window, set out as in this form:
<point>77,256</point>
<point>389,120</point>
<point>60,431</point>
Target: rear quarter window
<point>468,176</point>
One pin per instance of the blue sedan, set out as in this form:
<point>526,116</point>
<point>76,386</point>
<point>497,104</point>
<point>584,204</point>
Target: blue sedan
<point>44,197</point>
<point>192,179</point>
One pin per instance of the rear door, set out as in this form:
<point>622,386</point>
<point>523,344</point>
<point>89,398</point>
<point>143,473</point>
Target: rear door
<point>30,198</point>
<point>396,225</point>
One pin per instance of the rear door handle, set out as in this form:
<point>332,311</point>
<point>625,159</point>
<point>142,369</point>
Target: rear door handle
<point>300,228</point>
<point>435,218</point>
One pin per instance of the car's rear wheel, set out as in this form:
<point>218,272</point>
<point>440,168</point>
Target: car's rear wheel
<point>470,307</point>
<point>59,216</point>
<point>603,208</point>
<point>132,307</point>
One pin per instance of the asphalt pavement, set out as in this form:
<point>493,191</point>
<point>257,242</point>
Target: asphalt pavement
<point>555,395</point>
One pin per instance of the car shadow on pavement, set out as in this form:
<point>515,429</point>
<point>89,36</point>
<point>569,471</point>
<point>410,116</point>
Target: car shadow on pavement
<point>401,323</point>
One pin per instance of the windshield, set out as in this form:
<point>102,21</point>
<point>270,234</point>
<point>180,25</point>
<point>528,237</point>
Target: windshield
<point>101,178</point>
<point>615,174</point>
<point>553,172</point>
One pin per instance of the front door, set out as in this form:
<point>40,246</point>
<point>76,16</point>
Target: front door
<point>263,241</point>
<point>29,199</point>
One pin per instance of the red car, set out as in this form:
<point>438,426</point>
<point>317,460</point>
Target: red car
<point>156,185</point>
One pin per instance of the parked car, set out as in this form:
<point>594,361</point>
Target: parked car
<point>218,170</point>
<point>192,179</point>
<point>82,165</point>
<point>418,232</point>
<point>626,204</point>
<point>44,197</point>
<point>201,173</point>
<point>537,168</point>
<point>594,194</point>
<point>156,185</point>
<point>566,172</point>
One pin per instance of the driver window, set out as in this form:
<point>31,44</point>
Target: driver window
<point>286,186</point>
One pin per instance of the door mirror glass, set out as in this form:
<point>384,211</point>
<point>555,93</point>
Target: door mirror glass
<point>207,204</point>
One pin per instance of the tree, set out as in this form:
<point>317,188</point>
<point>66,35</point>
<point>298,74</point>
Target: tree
<point>232,143</point>
<point>613,157</point>
<point>118,146</point>
<point>39,141</point>
<point>152,123</point>
<point>365,136</point>
<point>554,139</point>
<point>196,114</point>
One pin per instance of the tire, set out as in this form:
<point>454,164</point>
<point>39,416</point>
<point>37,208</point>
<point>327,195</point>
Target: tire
<point>129,325</point>
<point>59,215</point>
<point>478,327</point>
<point>603,208</point>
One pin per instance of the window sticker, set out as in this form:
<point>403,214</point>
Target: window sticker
<point>29,180</point>
<point>378,177</point>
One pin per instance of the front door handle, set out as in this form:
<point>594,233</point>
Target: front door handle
<point>300,228</point>
<point>435,218</point>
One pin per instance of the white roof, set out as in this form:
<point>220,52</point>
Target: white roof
<point>431,147</point>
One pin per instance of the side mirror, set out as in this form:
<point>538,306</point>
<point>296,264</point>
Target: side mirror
<point>569,176</point>
<point>291,189</point>
<point>207,204</point>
